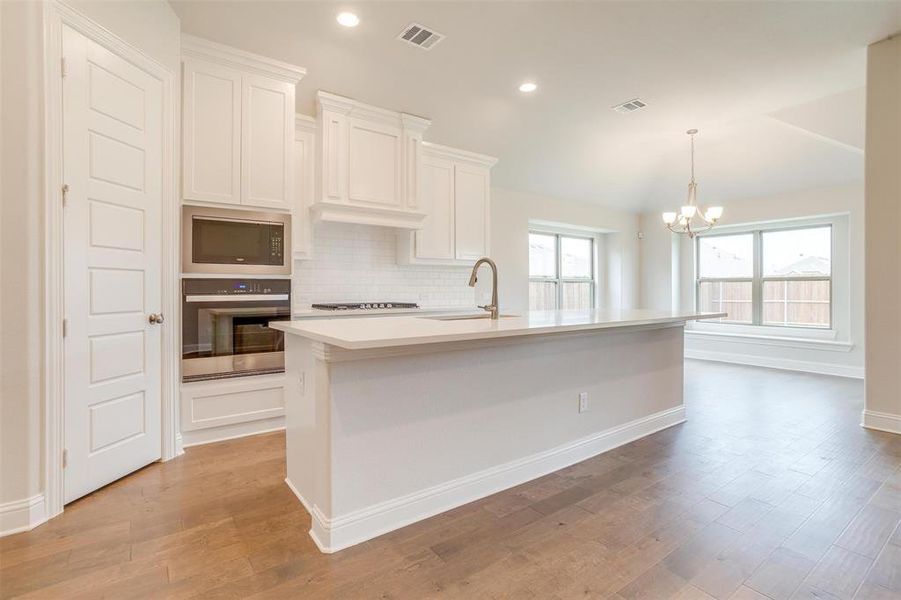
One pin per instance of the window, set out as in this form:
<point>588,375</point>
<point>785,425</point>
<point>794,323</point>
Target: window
<point>561,271</point>
<point>726,276</point>
<point>778,277</point>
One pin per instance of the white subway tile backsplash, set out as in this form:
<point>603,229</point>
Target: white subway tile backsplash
<point>358,263</point>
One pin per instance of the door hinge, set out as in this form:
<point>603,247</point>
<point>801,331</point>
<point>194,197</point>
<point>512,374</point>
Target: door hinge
<point>65,458</point>
<point>65,193</point>
<point>65,327</point>
<point>62,66</point>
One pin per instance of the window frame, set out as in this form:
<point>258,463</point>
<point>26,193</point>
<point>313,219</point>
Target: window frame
<point>758,279</point>
<point>558,280</point>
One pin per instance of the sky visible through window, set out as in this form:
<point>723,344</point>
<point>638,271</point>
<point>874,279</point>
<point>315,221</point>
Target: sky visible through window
<point>799,252</point>
<point>729,256</point>
<point>542,255</point>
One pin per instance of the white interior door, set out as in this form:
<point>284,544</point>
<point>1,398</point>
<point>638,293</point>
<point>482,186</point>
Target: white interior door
<point>112,159</point>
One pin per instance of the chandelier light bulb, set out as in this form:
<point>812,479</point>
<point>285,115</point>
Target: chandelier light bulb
<point>669,218</point>
<point>689,211</point>
<point>713,213</point>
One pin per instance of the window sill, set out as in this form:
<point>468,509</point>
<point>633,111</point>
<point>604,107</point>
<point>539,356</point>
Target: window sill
<point>807,343</point>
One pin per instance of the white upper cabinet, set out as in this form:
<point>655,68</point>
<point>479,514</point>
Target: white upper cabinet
<point>267,138</point>
<point>471,208</point>
<point>238,134</point>
<point>455,195</point>
<point>436,238</point>
<point>212,132</point>
<point>369,167</point>
<point>374,164</point>
<point>304,185</point>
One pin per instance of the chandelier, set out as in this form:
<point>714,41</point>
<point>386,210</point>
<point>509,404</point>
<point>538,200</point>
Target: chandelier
<point>690,220</point>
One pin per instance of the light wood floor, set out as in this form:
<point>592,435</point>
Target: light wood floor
<point>770,490</point>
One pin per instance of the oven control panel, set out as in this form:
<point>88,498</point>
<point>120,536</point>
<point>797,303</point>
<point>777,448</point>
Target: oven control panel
<point>234,287</point>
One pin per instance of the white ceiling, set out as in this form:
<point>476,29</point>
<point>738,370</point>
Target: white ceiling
<point>776,88</point>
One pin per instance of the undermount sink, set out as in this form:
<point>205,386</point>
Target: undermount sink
<point>466,317</point>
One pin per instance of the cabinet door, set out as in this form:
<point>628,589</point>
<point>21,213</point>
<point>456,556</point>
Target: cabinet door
<point>333,150</point>
<point>303,193</point>
<point>267,140</point>
<point>471,211</point>
<point>374,164</point>
<point>211,162</point>
<point>436,238</point>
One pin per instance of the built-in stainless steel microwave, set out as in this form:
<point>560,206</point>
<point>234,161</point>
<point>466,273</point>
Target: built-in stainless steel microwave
<point>235,242</point>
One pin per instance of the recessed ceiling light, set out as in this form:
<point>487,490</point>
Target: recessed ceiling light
<point>528,86</point>
<point>348,19</point>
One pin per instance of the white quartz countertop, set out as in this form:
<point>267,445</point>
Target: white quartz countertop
<point>407,330</point>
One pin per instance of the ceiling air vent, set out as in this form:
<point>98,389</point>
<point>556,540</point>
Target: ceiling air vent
<point>420,36</point>
<point>630,106</point>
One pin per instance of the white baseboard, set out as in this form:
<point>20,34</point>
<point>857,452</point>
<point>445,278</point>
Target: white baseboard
<point>300,497</point>
<point>310,509</point>
<point>22,515</point>
<point>334,534</point>
<point>231,432</point>
<point>787,364</point>
<point>881,421</point>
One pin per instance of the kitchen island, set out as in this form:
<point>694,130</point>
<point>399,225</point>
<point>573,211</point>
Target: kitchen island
<point>391,420</point>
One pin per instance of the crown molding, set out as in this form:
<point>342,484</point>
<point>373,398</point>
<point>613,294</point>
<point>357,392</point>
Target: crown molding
<point>195,47</point>
<point>414,123</point>
<point>460,155</point>
<point>354,108</point>
<point>304,123</point>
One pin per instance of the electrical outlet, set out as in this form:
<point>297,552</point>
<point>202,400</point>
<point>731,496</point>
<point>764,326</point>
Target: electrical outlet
<point>583,401</point>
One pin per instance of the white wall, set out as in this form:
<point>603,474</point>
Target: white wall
<point>151,26</point>
<point>883,231</point>
<point>511,213</point>
<point>358,263</point>
<point>21,256</point>
<point>667,273</point>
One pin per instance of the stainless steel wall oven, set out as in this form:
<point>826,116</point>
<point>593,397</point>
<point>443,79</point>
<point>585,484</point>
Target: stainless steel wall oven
<point>225,329</point>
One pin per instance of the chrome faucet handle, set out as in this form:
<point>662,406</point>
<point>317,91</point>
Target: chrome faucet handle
<point>491,308</point>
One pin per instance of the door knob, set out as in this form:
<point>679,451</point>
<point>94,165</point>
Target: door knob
<point>155,318</point>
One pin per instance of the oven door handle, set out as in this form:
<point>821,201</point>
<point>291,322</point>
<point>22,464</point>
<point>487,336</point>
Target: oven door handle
<point>236,298</point>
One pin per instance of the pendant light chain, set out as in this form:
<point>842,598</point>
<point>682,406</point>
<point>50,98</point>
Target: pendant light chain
<point>692,158</point>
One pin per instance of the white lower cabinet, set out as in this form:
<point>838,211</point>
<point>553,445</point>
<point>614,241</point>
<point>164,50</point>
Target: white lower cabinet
<point>455,195</point>
<point>225,408</point>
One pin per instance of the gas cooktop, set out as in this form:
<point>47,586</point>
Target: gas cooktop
<point>364,305</point>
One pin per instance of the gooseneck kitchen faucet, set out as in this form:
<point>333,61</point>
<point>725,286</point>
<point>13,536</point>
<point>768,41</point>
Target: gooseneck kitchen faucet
<point>493,307</point>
